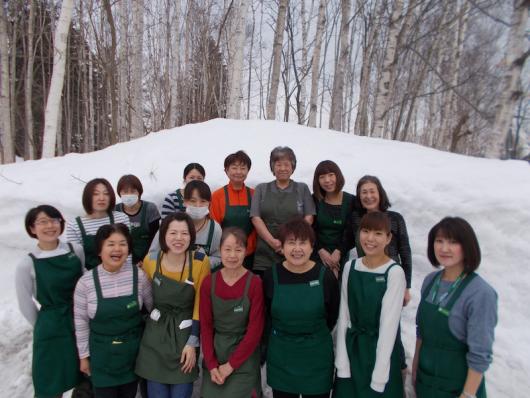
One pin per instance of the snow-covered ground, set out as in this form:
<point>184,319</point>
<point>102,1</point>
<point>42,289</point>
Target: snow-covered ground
<point>423,184</point>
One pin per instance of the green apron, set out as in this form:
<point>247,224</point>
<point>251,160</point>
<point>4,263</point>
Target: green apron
<point>276,208</point>
<point>180,202</point>
<point>207,246</point>
<point>365,298</point>
<point>442,367</point>
<point>140,234</point>
<point>230,319</point>
<point>55,367</point>
<point>300,351</point>
<point>330,228</point>
<point>163,340</point>
<point>89,244</point>
<point>115,333</point>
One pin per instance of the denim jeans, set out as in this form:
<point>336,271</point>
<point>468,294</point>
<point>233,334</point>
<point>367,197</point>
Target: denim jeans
<point>159,390</point>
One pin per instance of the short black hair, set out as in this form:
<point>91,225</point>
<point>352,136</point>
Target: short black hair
<point>193,166</point>
<point>239,156</point>
<point>33,213</point>
<point>384,203</point>
<point>461,231</point>
<point>130,181</point>
<point>105,231</point>
<point>298,228</point>
<point>88,194</point>
<point>202,188</point>
<point>326,167</point>
<point>178,216</point>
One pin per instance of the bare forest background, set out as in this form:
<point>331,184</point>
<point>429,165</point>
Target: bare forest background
<point>80,75</point>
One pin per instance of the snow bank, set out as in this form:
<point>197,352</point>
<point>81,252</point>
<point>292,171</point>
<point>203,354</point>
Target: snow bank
<point>423,184</point>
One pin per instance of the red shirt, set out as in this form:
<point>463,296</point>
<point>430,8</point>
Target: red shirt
<point>256,317</point>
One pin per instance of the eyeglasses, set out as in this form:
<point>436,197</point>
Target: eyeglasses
<point>48,221</point>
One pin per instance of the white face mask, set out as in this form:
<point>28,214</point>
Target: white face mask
<point>129,200</point>
<point>197,213</point>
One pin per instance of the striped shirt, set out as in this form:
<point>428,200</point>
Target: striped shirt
<point>73,233</point>
<point>113,284</point>
<point>172,203</point>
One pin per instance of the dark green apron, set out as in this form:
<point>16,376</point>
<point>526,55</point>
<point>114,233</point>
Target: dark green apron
<point>365,298</point>
<point>276,208</point>
<point>330,228</point>
<point>180,202</point>
<point>207,246</point>
<point>300,351</point>
<point>115,333</point>
<point>89,244</point>
<point>230,319</point>
<point>55,367</point>
<point>163,340</point>
<point>140,234</point>
<point>442,367</point>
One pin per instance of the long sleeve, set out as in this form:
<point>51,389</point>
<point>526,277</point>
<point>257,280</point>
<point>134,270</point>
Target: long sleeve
<point>73,234</point>
<point>168,205</point>
<point>331,297</point>
<point>145,289</point>
<point>342,362</point>
<point>25,288</point>
<point>256,320</point>
<point>81,318</point>
<point>207,324</point>
<point>403,246</point>
<point>388,326</point>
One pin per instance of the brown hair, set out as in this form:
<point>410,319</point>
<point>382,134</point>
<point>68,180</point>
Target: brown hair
<point>201,187</point>
<point>326,167</point>
<point>178,216</point>
<point>375,221</point>
<point>461,231</point>
<point>384,203</point>
<point>236,232</point>
<point>105,231</point>
<point>239,156</point>
<point>298,228</point>
<point>88,194</point>
<point>130,181</point>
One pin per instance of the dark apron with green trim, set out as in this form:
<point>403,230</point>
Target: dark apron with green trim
<point>89,244</point>
<point>115,333</point>
<point>180,202</point>
<point>230,318</point>
<point>276,208</point>
<point>365,298</point>
<point>207,246</point>
<point>55,367</point>
<point>300,352</point>
<point>330,229</point>
<point>164,340</point>
<point>140,234</point>
<point>442,366</point>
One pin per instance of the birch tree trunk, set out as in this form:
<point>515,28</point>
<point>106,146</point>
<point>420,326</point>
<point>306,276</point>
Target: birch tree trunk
<point>137,124</point>
<point>29,145</point>
<point>123,20</point>
<point>276,60</point>
<point>175,65</point>
<point>315,63</point>
<point>6,137</point>
<point>516,54</point>
<point>337,96</point>
<point>53,104</point>
<point>303,91</point>
<point>236,46</point>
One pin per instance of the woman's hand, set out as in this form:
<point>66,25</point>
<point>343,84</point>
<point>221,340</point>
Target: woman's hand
<point>407,297</point>
<point>84,366</point>
<point>216,377</point>
<point>325,257</point>
<point>335,258</point>
<point>276,245</point>
<point>188,358</point>
<point>226,370</point>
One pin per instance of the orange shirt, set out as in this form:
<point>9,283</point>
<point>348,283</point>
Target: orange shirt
<point>235,198</point>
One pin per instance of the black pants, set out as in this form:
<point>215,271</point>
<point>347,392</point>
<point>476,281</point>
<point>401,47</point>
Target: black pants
<point>122,391</point>
<point>281,394</point>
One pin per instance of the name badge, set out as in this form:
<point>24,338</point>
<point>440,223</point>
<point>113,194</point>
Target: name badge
<point>443,311</point>
<point>337,222</point>
<point>132,304</point>
<point>238,308</point>
<point>157,281</point>
<point>380,279</point>
<point>155,315</point>
<point>314,283</point>
<point>189,282</point>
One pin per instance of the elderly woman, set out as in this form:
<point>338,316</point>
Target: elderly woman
<point>276,202</point>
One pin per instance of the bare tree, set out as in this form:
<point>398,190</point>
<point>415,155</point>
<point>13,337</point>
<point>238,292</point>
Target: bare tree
<point>29,146</point>
<point>137,124</point>
<point>6,137</point>
<point>175,65</point>
<point>315,63</point>
<point>53,104</point>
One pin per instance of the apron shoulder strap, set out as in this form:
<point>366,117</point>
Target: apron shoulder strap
<point>191,255</point>
<point>321,274</point>
<point>227,201</point>
<point>388,270</point>
<point>456,294</point>
<point>143,214</point>
<point>111,217</point>
<point>81,227</point>
<point>158,267</point>
<point>247,284</point>
<point>249,196</point>
<point>275,275</point>
<point>71,247</point>
<point>180,199</point>
<point>428,288</point>
<point>32,256</point>
<point>210,236</point>
<point>97,285</point>
<point>135,281</point>
<point>119,207</point>
<point>214,282</point>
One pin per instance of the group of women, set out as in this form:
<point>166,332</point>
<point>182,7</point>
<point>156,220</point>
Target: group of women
<point>250,276</point>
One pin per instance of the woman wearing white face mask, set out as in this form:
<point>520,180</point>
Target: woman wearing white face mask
<point>144,216</point>
<point>197,198</point>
